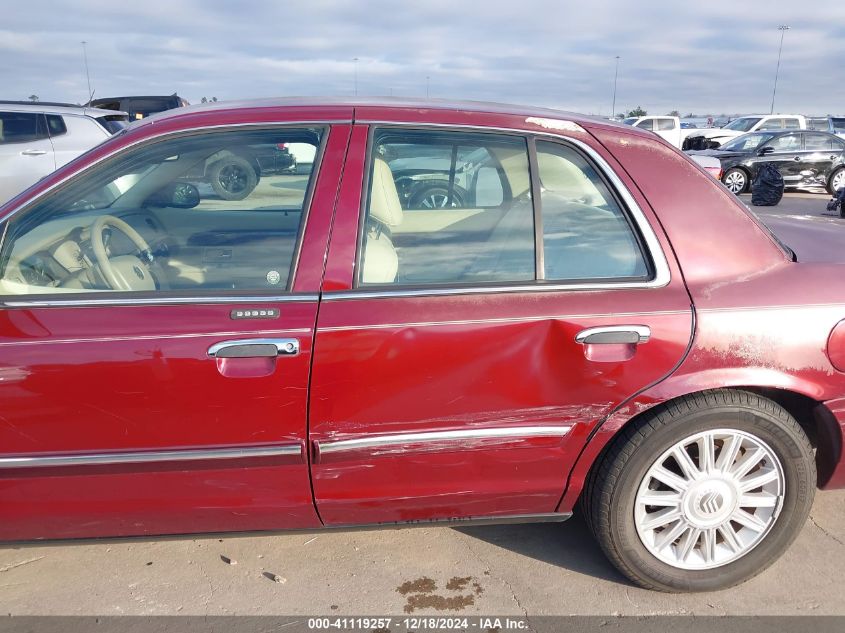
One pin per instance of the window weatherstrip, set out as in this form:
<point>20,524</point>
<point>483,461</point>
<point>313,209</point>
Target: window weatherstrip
<point>149,457</point>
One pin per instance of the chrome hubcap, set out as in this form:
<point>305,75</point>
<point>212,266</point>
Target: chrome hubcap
<point>735,181</point>
<point>839,180</point>
<point>709,499</point>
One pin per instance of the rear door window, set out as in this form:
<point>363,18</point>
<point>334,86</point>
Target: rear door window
<point>818,142</point>
<point>447,208</point>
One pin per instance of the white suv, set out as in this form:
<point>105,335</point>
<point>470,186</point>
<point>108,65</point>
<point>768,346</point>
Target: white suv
<point>36,138</point>
<point>716,136</point>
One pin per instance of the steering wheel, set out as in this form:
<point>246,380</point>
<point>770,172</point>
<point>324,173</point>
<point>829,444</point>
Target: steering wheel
<point>122,272</point>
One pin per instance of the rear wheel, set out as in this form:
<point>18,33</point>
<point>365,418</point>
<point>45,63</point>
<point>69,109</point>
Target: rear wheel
<point>736,180</point>
<point>703,493</point>
<point>836,181</point>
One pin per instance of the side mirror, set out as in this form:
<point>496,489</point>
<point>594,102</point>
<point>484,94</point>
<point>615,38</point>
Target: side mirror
<point>766,151</point>
<point>177,195</point>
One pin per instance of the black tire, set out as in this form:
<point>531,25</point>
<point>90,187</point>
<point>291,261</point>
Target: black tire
<point>836,174</point>
<point>609,498</point>
<point>732,176</point>
<point>233,178</point>
<point>435,197</point>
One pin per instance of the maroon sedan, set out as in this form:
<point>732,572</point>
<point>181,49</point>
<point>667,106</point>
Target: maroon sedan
<point>576,313</point>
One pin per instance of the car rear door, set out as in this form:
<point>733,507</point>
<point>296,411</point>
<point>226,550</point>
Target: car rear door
<point>458,371</point>
<point>821,151</point>
<point>73,134</point>
<point>178,409</point>
<point>26,153</point>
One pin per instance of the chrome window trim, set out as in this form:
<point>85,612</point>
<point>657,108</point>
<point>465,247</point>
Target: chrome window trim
<point>129,301</point>
<point>149,457</point>
<point>662,274</point>
<point>381,441</point>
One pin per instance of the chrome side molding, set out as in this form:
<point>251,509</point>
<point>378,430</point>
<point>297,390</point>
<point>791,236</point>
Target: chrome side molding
<point>149,457</point>
<point>437,440</point>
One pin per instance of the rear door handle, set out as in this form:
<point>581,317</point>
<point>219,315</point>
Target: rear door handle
<point>797,159</point>
<point>614,335</point>
<point>33,152</point>
<point>255,348</point>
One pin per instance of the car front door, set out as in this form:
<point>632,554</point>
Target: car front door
<point>26,153</point>
<point>154,372</point>
<point>458,370</point>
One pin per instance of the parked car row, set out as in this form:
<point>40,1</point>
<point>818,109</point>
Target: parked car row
<point>805,150</point>
<point>37,138</point>
<point>804,159</point>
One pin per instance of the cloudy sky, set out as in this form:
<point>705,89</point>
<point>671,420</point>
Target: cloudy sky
<point>708,56</point>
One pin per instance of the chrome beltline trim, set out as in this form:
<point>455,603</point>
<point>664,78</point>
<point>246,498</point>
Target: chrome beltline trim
<point>129,301</point>
<point>526,319</point>
<point>440,436</point>
<point>149,457</point>
<point>478,290</point>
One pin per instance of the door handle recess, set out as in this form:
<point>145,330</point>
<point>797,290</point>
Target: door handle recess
<point>33,152</point>
<point>255,348</point>
<point>614,335</point>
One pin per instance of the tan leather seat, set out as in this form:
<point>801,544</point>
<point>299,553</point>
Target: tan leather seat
<point>381,263</point>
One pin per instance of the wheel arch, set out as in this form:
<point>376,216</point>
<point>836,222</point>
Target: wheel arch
<point>814,417</point>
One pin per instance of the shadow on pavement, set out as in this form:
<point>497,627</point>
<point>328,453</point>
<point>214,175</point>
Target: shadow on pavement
<point>569,545</point>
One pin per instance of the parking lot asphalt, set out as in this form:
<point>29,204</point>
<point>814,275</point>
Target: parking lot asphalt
<point>544,569</point>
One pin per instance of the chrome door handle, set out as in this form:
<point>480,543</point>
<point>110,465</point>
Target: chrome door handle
<point>255,348</point>
<point>33,152</point>
<point>614,335</point>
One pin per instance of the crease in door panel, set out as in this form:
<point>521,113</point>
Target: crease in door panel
<point>308,453</point>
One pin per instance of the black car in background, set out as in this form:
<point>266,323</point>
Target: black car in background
<point>139,107</point>
<point>804,159</point>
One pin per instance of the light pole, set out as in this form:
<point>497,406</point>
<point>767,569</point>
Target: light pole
<point>783,28</point>
<point>355,59</point>
<point>615,77</point>
<point>87,75</point>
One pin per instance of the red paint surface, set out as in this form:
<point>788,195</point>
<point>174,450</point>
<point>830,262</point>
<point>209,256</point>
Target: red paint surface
<point>107,379</point>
